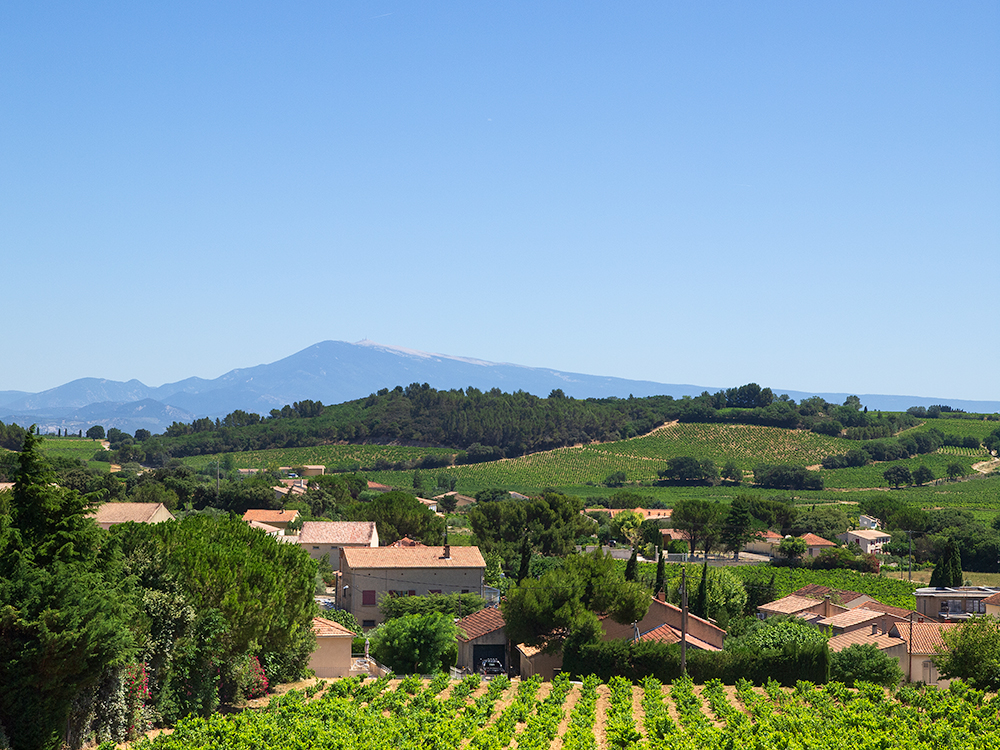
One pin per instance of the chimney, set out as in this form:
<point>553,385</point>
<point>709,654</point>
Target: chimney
<point>662,596</point>
<point>447,552</point>
<point>875,629</point>
<point>827,606</point>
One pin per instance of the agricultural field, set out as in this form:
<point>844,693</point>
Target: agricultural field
<point>347,457</point>
<point>642,457</point>
<point>871,475</point>
<point>72,447</point>
<point>414,714</point>
<point>977,428</point>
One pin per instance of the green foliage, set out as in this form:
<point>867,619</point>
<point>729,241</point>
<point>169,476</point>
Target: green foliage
<point>550,524</point>
<point>343,617</point>
<point>263,589</point>
<point>776,633</point>
<point>453,605</point>
<point>416,644</point>
<point>563,603</point>
<point>700,521</point>
<point>972,653</point>
<point>397,515</point>
<point>792,547</point>
<point>948,571</point>
<point>65,606</point>
<point>864,662</point>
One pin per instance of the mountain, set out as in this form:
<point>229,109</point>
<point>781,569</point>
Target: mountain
<point>338,371</point>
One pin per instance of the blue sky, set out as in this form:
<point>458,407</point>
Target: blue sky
<point>803,195</point>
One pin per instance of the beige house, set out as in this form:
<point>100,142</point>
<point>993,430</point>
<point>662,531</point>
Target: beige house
<point>869,540</point>
<point>648,514</point>
<point>109,514</point>
<point>923,641</point>
<point>332,655</point>
<point>482,637</point>
<point>319,538</point>
<point>764,543</point>
<point>816,545</point>
<point>313,471</point>
<point>369,573</point>
<point>890,645</point>
<point>277,518</point>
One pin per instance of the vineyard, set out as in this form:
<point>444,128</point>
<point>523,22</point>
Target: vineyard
<point>642,457</point>
<point>440,714</point>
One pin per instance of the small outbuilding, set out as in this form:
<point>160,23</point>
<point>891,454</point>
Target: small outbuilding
<point>332,655</point>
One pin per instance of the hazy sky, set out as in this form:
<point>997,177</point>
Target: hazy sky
<point>805,195</point>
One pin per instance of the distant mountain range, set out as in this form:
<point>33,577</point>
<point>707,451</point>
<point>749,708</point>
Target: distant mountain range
<point>338,371</point>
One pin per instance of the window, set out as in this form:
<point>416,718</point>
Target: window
<point>368,598</point>
<point>411,592</point>
<point>368,623</point>
<point>465,591</point>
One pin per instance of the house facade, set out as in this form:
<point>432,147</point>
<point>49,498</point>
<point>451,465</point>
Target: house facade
<point>369,573</point>
<point>958,603</point>
<point>332,655</point>
<point>869,540</point>
<point>276,518</point>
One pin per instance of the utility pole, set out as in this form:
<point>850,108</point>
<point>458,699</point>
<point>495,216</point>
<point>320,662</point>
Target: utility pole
<point>684,620</point>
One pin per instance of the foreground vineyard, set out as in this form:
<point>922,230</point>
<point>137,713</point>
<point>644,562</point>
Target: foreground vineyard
<point>530,715</point>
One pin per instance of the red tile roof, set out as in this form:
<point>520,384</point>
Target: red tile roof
<point>926,635</point>
<point>899,612</point>
<point>837,596</point>
<point>816,541</point>
<point>337,532</point>
<point>788,605</point>
<point>412,557</point>
<point>270,516</point>
<point>378,487</point>
<point>849,618</point>
<point>488,620</point>
<point>863,636</point>
<point>667,634</point>
<point>406,542</point>
<point>324,627</point>
<point>125,512</point>
<point>993,599</point>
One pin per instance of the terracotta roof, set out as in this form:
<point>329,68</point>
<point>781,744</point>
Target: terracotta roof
<point>488,620</point>
<point>862,636</point>
<point>323,627</point>
<point>647,514</point>
<point>788,605</point>
<point>124,512</point>
<point>412,557</point>
<point>666,634</point>
<point>993,599</point>
<point>926,635</point>
<point>406,542</point>
<point>529,651</point>
<point>270,516</point>
<point>899,612</point>
<point>816,541</point>
<point>266,528</point>
<point>662,634</point>
<point>379,487</point>
<point>5,486</point>
<point>872,534</point>
<point>837,596</point>
<point>849,618</point>
<point>337,532</point>
<point>769,536</point>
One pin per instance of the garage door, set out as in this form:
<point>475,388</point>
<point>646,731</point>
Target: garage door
<point>488,652</point>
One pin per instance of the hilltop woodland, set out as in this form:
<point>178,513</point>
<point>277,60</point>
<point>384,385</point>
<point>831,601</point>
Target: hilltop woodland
<point>483,426</point>
<point>103,633</point>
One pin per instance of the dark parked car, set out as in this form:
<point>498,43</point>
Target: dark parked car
<point>491,667</point>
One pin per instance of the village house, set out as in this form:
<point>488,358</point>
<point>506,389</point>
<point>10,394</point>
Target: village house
<point>992,604</point>
<point>764,543</point>
<point>319,538</point>
<point>369,573</point>
<point>869,540</point>
<point>109,514</point>
<point>923,640</point>
<point>958,603</point>
<point>816,545</point>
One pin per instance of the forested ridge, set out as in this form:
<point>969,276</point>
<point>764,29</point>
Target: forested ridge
<point>483,426</point>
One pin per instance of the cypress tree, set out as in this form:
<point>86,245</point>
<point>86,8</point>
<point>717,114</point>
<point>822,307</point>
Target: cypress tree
<point>700,607</point>
<point>524,569</point>
<point>660,573</point>
<point>632,566</point>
